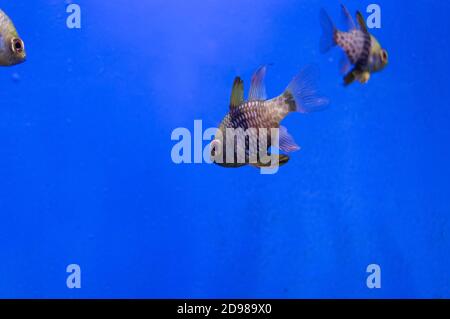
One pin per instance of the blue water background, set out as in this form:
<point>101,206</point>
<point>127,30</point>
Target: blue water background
<point>86,174</point>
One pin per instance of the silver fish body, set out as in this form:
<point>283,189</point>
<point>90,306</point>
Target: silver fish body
<point>256,120</point>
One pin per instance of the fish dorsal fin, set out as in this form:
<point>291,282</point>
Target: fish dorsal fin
<point>347,18</point>
<point>257,87</point>
<point>237,93</point>
<point>361,22</point>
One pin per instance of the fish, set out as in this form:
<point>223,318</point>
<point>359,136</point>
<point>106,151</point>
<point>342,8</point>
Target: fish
<point>12,47</point>
<point>258,118</point>
<point>363,54</point>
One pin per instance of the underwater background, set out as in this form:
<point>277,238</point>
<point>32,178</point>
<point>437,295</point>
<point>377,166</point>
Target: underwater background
<point>86,175</point>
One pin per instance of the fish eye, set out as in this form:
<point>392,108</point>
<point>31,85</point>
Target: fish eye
<point>215,147</point>
<point>384,55</point>
<point>17,45</point>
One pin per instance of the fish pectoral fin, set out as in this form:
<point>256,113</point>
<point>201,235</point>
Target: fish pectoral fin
<point>282,159</point>
<point>237,93</point>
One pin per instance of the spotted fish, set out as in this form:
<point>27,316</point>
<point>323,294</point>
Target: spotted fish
<point>260,115</point>
<point>362,50</point>
<point>12,48</point>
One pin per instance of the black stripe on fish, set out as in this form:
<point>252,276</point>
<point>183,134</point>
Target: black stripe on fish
<point>290,101</point>
<point>363,60</point>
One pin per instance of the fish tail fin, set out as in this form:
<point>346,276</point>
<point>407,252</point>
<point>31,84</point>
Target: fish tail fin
<point>328,39</point>
<point>302,94</point>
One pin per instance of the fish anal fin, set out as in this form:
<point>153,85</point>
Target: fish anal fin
<point>344,64</point>
<point>286,141</point>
